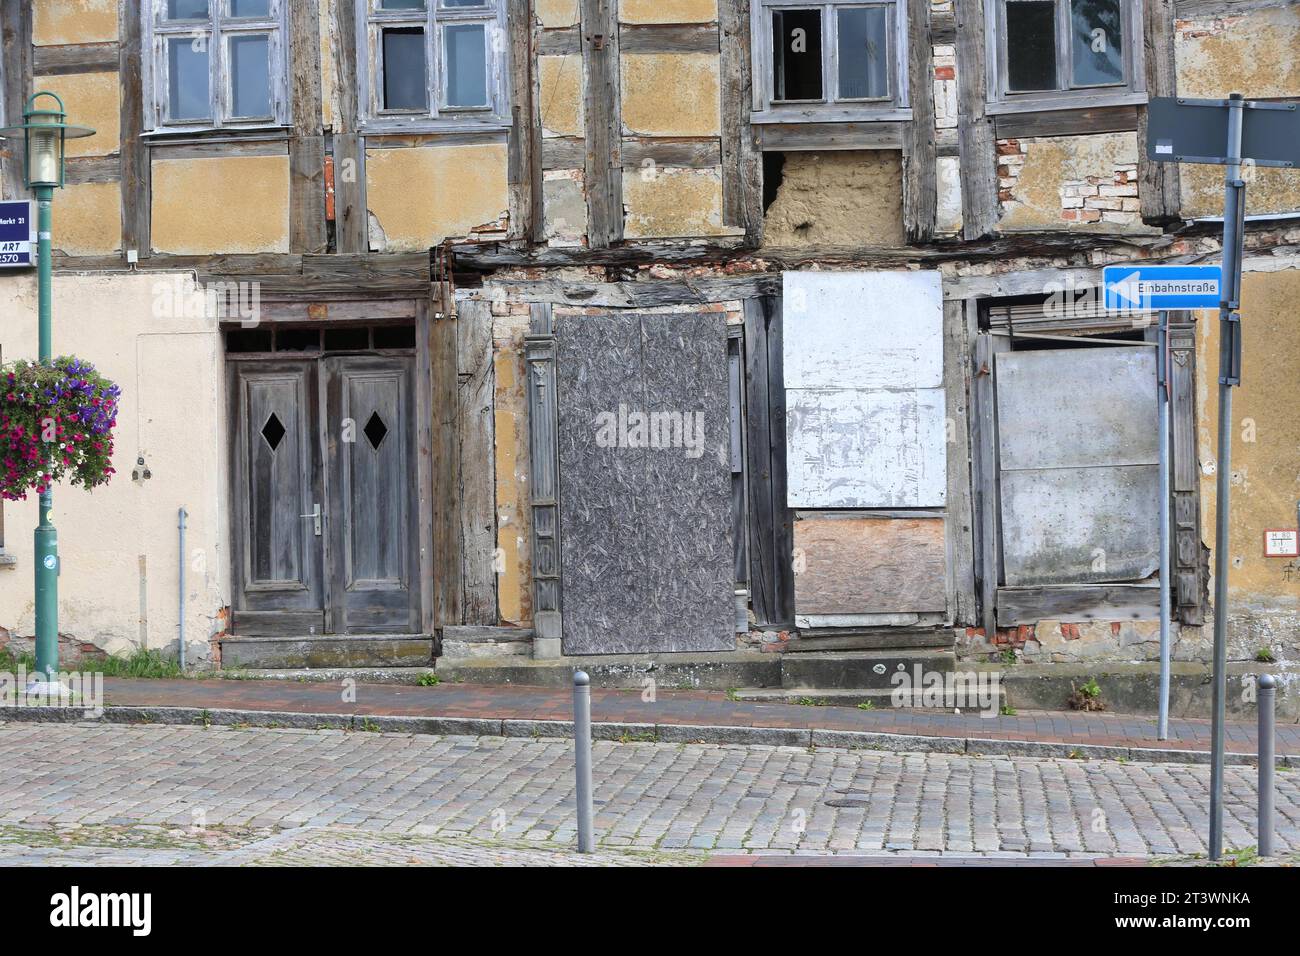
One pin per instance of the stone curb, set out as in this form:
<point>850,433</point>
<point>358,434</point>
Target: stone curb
<point>619,731</point>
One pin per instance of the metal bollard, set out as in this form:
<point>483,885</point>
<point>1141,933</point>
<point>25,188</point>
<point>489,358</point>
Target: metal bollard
<point>1267,697</point>
<point>582,758</point>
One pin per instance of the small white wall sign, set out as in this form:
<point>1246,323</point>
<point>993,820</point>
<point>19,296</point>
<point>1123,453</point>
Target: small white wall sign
<point>1281,543</point>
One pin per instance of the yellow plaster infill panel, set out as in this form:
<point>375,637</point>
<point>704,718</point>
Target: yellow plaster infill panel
<point>668,11</point>
<point>560,80</point>
<point>59,22</point>
<point>91,99</point>
<point>849,198</point>
<point>668,203</point>
<point>514,588</point>
<point>88,219</point>
<point>424,195</point>
<point>221,204</point>
<point>1259,50</point>
<point>1265,434</point>
<point>1271,190</point>
<point>671,94</point>
<point>556,13</point>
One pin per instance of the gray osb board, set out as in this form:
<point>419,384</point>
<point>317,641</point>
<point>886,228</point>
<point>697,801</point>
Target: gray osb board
<point>1079,480</point>
<point>646,532</point>
<point>849,564</point>
<point>861,448</point>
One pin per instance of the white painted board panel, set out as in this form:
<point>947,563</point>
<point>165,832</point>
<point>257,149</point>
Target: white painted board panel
<point>859,448</point>
<point>863,329</point>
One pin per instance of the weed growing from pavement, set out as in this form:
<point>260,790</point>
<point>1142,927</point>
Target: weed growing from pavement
<point>140,663</point>
<point>429,680</point>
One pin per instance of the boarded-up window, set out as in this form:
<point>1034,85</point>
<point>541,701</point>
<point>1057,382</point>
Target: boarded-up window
<point>1078,465</point>
<point>645,460</point>
<point>864,390</point>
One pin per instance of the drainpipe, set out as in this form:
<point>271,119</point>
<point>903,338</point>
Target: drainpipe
<point>180,621</point>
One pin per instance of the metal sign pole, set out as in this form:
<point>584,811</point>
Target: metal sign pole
<point>1162,366</point>
<point>1229,375</point>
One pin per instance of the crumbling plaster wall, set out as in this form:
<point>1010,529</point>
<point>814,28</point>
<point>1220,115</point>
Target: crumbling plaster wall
<point>1265,481</point>
<point>1070,182</point>
<point>1256,53</point>
<point>850,197</point>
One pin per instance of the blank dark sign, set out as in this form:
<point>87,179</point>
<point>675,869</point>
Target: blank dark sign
<point>1185,133</point>
<point>645,513</point>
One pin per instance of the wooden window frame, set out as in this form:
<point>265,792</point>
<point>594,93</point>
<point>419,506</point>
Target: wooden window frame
<point>1132,92</point>
<point>433,20</point>
<point>766,109</point>
<point>218,28</point>
<point>997,322</point>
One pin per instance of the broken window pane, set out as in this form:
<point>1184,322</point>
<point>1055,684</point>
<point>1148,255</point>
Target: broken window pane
<point>1097,42</point>
<point>405,79</point>
<point>250,75</point>
<point>1031,45</point>
<point>797,54</point>
<point>187,78</point>
<point>187,9</point>
<point>250,8</point>
<point>466,49</point>
<point>863,53</point>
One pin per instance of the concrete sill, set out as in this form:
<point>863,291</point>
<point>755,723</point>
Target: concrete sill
<point>8,560</point>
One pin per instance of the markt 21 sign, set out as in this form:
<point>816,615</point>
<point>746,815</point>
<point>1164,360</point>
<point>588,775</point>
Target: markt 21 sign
<point>17,234</point>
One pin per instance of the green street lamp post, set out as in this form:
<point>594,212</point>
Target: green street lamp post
<point>44,132</point>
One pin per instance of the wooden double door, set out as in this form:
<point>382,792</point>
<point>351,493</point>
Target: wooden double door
<point>324,503</point>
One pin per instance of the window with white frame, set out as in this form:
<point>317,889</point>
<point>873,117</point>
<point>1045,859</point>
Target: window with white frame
<point>434,62</point>
<point>828,61</point>
<point>216,63</point>
<point>1048,52</point>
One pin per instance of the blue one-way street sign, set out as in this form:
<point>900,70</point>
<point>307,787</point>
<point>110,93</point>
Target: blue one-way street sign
<point>1162,287</point>
<point>17,234</point>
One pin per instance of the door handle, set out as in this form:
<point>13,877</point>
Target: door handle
<point>315,516</point>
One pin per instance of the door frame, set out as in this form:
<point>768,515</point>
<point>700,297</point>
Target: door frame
<point>345,310</point>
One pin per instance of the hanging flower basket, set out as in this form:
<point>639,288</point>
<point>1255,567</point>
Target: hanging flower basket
<point>56,424</point>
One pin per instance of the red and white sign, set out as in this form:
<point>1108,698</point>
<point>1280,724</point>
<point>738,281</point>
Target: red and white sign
<point>1281,543</point>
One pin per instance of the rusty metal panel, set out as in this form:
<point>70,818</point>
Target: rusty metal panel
<point>645,502</point>
<point>861,448</point>
<point>1078,459</point>
<point>849,564</point>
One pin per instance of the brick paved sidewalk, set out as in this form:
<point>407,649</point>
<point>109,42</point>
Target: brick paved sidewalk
<point>674,709</point>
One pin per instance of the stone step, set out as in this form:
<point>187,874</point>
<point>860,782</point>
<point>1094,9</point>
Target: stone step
<point>862,669</point>
<point>314,652</point>
<point>888,639</point>
<point>333,675</point>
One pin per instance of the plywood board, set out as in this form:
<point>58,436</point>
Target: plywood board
<point>862,565</point>
<point>861,448</point>
<point>863,329</point>
<point>646,523</point>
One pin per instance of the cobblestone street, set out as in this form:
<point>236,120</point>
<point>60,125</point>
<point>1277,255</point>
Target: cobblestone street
<point>77,793</point>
